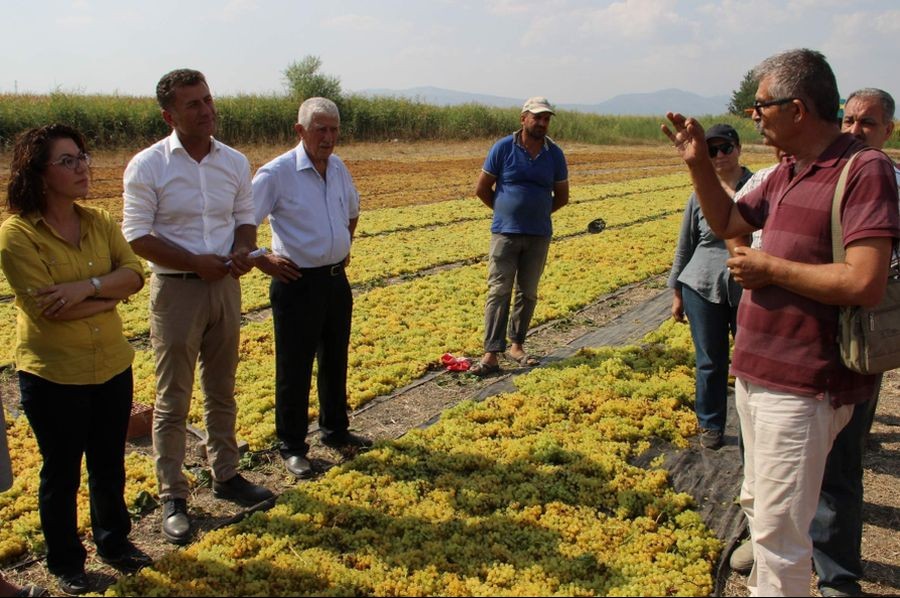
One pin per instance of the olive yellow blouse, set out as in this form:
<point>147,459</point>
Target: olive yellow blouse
<point>89,350</point>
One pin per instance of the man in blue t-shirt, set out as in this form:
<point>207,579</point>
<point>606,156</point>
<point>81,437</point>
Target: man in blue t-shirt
<point>524,180</point>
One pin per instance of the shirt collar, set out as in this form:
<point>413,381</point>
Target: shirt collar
<point>175,143</point>
<point>302,160</point>
<point>843,146</point>
<point>36,216</point>
<point>517,139</point>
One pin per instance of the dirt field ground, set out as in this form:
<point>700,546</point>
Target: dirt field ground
<point>419,403</point>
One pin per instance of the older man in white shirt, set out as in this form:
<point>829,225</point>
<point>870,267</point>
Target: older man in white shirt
<point>189,211</point>
<point>313,208</point>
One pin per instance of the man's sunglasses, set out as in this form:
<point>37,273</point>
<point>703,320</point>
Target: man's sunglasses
<point>725,148</point>
<point>758,106</point>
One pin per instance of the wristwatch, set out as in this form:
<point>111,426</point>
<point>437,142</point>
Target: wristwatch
<point>95,282</point>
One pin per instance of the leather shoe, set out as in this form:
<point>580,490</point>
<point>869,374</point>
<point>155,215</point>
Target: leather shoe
<point>846,588</point>
<point>28,591</point>
<point>74,583</point>
<point>176,524</point>
<point>711,439</point>
<point>345,439</point>
<point>130,560</point>
<point>299,466</point>
<point>240,490</point>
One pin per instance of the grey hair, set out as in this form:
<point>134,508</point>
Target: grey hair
<point>887,102</point>
<point>803,74</point>
<point>313,106</point>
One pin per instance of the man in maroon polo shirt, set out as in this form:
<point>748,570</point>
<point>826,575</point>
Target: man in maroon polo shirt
<point>793,394</point>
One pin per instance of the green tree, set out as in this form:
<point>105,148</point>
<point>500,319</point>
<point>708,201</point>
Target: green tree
<point>743,97</point>
<point>303,80</point>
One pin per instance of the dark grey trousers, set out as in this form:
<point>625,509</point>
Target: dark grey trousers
<point>515,261</point>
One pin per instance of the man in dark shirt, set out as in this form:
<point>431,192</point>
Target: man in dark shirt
<point>837,527</point>
<point>793,394</point>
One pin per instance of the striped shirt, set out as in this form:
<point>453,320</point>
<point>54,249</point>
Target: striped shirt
<point>787,341</point>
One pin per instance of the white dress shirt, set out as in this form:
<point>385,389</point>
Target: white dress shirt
<point>310,217</point>
<point>196,206</point>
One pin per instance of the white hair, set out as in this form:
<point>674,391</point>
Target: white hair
<point>313,106</point>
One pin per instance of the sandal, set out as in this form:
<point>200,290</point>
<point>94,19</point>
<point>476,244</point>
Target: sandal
<point>482,369</point>
<point>525,360</point>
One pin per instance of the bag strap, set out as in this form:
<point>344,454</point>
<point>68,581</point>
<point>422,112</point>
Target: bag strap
<point>837,236</point>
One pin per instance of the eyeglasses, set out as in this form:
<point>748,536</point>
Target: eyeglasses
<point>758,106</point>
<point>725,148</point>
<point>71,162</point>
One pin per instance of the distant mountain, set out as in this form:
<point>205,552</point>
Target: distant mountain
<point>642,104</point>
<point>444,97</point>
<point>658,103</point>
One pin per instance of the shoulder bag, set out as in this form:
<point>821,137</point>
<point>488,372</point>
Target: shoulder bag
<point>869,337</point>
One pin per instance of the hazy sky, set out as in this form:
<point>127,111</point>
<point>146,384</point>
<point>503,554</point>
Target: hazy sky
<point>569,50</point>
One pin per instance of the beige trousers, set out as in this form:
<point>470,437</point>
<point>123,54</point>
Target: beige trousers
<point>191,318</point>
<point>787,439</point>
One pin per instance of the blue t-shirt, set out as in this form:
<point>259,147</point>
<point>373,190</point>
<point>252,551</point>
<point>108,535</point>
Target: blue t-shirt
<point>523,196</point>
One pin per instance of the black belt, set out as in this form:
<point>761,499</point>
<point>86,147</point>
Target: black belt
<point>332,270</point>
<point>181,275</point>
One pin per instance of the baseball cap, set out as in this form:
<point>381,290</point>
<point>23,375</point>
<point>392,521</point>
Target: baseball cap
<point>723,131</point>
<point>538,104</point>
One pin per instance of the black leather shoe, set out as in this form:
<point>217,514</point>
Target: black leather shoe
<point>176,524</point>
<point>299,466</point>
<point>240,490</point>
<point>75,583</point>
<point>345,439</point>
<point>29,591</point>
<point>846,588</point>
<point>130,560</point>
<point>711,439</point>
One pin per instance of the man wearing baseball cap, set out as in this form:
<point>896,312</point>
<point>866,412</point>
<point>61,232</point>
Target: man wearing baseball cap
<point>524,180</point>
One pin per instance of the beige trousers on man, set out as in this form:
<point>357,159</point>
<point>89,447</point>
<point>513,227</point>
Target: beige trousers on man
<point>191,318</point>
<point>787,439</point>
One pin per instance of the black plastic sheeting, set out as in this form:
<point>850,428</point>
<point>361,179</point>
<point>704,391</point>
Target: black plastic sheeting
<point>713,478</point>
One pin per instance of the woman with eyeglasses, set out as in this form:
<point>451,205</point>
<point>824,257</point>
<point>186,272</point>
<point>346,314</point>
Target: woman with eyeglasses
<point>69,266</point>
<point>705,292</point>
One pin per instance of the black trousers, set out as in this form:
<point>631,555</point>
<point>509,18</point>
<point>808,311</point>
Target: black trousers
<point>312,318</point>
<point>836,530</point>
<point>71,421</point>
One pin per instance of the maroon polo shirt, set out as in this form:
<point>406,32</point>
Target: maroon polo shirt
<point>788,342</point>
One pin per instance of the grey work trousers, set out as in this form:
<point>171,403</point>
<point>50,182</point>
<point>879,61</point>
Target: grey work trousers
<point>514,260</point>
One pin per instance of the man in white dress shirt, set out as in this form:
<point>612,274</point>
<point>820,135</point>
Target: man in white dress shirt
<point>313,208</point>
<point>189,211</point>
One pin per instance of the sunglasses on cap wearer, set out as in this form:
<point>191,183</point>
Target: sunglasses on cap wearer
<point>725,148</point>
